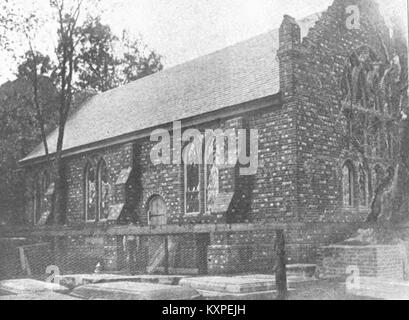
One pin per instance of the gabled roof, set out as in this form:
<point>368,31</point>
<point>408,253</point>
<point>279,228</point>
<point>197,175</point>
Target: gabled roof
<point>240,73</point>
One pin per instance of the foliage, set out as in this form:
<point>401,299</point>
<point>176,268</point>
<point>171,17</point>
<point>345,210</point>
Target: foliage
<point>105,61</point>
<point>138,61</point>
<point>6,23</point>
<point>96,62</point>
<point>20,134</point>
<point>375,108</point>
<point>89,58</point>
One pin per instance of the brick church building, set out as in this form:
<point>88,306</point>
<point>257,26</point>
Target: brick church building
<point>297,86</point>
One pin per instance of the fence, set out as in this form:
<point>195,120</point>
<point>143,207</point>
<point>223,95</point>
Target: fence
<point>188,250</point>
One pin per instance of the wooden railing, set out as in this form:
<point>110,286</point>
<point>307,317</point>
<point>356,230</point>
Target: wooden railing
<point>113,230</point>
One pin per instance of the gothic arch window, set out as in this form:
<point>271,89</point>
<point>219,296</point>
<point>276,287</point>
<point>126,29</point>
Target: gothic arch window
<point>348,184</point>
<point>192,158</point>
<point>36,200</point>
<point>201,175</point>
<point>104,190</point>
<point>363,187</point>
<point>45,183</point>
<point>90,192</point>
<point>40,202</point>
<point>211,174</point>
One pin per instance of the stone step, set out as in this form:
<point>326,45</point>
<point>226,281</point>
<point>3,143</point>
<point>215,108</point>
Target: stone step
<point>134,291</point>
<point>246,287</point>
<point>231,285</point>
<point>30,286</point>
<point>72,281</point>
<point>242,285</point>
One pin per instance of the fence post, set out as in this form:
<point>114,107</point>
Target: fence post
<point>202,242</point>
<point>132,247</point>
<point>59,258</point>
<point>166,245</point>
<point>281,270</point>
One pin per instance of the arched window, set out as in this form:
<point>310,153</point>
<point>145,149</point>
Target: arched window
<point>36,200</point>
<point>45,183</point>
<point>192,155</point>
<point>201,173</point>
<point>90,192</point>
<point>40,201</point>
<point>348,184</point>
<point>211,174</point>
<point>104,191</point>
<point>363,187</point>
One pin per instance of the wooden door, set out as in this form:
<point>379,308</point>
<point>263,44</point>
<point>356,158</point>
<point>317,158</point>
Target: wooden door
<point>157,211</point>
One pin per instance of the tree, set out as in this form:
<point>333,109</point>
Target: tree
<point>62,71</point>
<point>19,133</point>
<point>138,60</point>
<point>67,19</point>
<point>6,23</point>
<point>35,68</point>
<point>96,62</point>
<point>20,119</point>
<point>105,61</point>
<point>86,60</point>
<point>380,85</point>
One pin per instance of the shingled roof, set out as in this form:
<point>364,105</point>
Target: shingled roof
<point>240,73</point>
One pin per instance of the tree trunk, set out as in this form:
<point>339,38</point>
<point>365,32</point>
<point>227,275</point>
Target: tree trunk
<point>57,211</point>
<point>380,191</point>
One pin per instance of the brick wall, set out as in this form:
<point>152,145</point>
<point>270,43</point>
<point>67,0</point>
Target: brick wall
<point>311,72</point>
<point>273,193</point>
<point>371,261</point>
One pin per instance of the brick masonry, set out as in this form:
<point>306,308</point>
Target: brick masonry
<point>375,261</point>
<point>301,156</point>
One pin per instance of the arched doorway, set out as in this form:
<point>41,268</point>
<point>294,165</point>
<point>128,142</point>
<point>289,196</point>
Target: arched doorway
<point>157,211</point>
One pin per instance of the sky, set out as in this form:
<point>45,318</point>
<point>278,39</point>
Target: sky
<point>182,30</point>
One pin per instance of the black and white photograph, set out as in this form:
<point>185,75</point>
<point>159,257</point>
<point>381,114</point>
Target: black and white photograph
<point>205,151</point>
